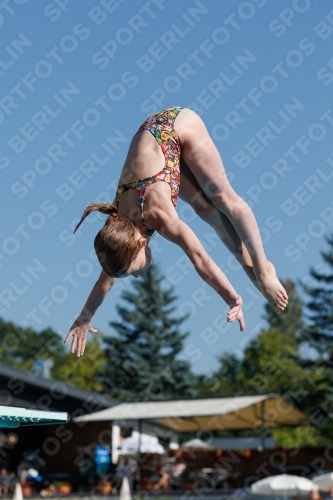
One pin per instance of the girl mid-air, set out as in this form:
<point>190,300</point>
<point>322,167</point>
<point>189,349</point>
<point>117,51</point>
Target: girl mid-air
<point>172,154</point>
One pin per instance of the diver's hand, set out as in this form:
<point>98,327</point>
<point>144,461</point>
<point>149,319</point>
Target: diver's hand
<point>79,331</point>
<point>236,312</point>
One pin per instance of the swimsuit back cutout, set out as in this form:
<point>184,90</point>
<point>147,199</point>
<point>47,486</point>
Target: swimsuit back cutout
<point>161,125</point>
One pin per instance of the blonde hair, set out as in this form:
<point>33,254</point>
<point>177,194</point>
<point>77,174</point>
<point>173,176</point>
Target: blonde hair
<point>116,244</point>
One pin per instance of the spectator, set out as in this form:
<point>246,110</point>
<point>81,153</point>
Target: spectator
<point>330,494</point>
<point>125,470</point>
<point>176,470</point>
<point>48,490</point>
<point>22,471</point>
<point>315,495</point>
<point>4,477</point>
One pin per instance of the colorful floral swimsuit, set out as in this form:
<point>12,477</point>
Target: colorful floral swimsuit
<point>161,125</point>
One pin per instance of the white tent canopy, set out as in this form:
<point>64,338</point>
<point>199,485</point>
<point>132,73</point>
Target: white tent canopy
<point>195,444</point>
<point>234,412</point>
<point>283,484</point>
<point>147,445</point>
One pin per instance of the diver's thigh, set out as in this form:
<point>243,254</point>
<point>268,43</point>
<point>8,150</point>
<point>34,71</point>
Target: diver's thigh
<point>201,155</point>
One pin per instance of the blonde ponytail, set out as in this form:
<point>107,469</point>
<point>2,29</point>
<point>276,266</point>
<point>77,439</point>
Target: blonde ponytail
<point>104,208</point>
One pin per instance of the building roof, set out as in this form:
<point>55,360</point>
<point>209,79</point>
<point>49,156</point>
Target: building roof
<point>24,388</point>
<point>232,412</point>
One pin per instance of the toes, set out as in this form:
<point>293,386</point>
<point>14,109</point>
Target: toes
<point>283,295</point>
<point>274,306</point>
<point>279,306</point>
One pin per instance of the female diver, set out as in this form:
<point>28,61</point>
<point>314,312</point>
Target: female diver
<point>172,153</point>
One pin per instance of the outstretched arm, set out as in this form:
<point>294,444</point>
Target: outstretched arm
<point>82,325</point>
<point>175,230</point>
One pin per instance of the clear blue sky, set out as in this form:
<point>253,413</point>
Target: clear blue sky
<point>77,80</point>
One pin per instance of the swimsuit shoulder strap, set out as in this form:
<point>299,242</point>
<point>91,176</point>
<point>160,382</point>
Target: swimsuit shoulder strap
<point>141,185</point>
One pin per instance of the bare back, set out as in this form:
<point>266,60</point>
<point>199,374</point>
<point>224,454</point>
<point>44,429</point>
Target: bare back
<point>144,158</point>
<point>153,156</point>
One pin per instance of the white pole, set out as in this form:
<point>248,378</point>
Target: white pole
<point>115,442</point>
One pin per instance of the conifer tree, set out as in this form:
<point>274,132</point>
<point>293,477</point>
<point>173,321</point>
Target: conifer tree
<point>224,379</point>
<point>319,336</point>
<point>319,333</point>
<point>143,361</point>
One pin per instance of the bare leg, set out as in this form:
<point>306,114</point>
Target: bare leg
<point>204,161</point>
<point>164,482</point>
<point>191,192</point>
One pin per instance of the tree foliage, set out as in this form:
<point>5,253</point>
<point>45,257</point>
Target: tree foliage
<point>82,372</point>
<point>224,379</point>
<point>304,435</point>
<point>23,347</point>
<point>270,363</point>
<point>318,335</point>
<point>143,358</point>
<point>319,291</point>
<point>279,359</point>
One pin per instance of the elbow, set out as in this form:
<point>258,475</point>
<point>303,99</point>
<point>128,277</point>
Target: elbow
<point>105,285</point>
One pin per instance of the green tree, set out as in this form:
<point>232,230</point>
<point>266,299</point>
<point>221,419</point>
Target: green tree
<point>22,347</point>
<point>318,334</point>
<point>224,379</point>
<point>82,372</point>
<point>307,391</point>
<point>143,358</point>
<point>304,435</point>
<point>270,363</point>
<point>231,376</point>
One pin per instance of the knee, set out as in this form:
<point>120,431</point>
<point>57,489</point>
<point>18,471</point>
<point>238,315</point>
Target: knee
<point>229,202</point>
<point>223,198</point>
<point>206,211</point>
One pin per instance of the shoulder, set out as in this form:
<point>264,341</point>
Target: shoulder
<point>161,218</point>
<point>158,207</point>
